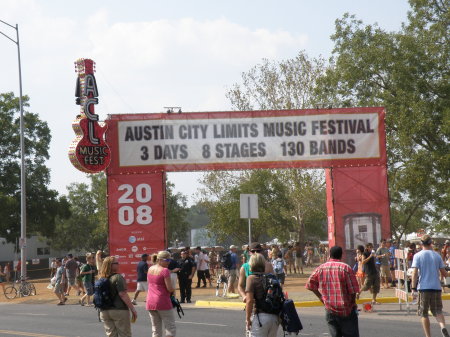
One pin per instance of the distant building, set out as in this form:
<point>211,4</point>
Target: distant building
<point>37,248</point>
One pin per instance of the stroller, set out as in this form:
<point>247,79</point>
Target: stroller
<point>222,281</point>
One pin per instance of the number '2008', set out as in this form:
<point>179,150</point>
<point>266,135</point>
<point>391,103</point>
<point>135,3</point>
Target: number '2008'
<point>127,215</point>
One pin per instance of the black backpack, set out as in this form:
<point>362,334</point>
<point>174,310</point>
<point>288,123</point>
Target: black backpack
<point>289,318</point>
<point>226,260</point>
<point>273,299</point>
<point>103,298</point>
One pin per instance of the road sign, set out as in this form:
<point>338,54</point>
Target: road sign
<point>249,206</point>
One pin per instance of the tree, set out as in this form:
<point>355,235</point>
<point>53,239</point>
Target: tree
<point>43,204</point>
<point>408,73</point>
<point>221,197</point>
<point>289,84</point>
<point>177,225</point>
<point>306,191</point>
<point>87,226</point>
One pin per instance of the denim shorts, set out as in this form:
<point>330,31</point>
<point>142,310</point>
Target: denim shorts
<point>89,288</point>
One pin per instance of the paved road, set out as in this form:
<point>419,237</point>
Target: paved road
<point>39,320</point>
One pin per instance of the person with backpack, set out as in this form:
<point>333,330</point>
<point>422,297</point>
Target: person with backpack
<point>158,302</point>
<point>263,304</point>
<point>229,263</point>
<point>244,272</point>
<point>279,267</point>
<point>338,296</point>
<point>111,298</point>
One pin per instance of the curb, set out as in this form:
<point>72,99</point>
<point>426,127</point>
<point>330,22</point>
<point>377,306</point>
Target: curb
<point>305,304</point>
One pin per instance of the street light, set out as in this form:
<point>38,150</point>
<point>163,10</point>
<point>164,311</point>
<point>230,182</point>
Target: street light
<point>23,213</point>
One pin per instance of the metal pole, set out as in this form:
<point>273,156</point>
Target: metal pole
<point>249,225</point>
<point>23,213</point>
<point>23,223</point>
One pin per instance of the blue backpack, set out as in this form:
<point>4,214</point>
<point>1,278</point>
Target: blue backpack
<point>103,298</point>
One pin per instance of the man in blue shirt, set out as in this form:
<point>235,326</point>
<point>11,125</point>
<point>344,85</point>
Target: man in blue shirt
<point>431,267</point>
<point>392,246</point>
<point>231,272</point>
<point>142,269</point>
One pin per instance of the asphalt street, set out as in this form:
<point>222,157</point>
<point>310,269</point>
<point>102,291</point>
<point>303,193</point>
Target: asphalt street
<point>39,320</point>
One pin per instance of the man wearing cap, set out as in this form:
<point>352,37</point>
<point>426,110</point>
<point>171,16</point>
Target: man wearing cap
<point>431,267</point>
<point>244,272</point>
<point>142,269</point>
<point>230,272</point>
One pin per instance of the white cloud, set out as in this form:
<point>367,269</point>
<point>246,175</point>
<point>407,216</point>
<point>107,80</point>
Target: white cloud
<point>142,66</point>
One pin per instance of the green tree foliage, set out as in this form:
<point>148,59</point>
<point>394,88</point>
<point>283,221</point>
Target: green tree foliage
<point>221,197</point>
<point>87,227</point>
<point>177,226</point>
<point>288,84</point>
<point>408,73</point>
<point>43,204</point>
<point>306,191</point>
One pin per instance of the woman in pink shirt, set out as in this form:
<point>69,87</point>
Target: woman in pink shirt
<point>158,301</point>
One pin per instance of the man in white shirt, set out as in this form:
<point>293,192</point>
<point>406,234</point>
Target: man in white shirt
<point>202,260</point>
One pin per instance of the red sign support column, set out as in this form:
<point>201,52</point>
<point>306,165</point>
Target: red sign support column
<point>358,207</point>
<point>136,213</point>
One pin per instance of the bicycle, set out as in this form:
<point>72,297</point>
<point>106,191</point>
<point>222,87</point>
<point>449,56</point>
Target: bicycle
<point>22,288</point>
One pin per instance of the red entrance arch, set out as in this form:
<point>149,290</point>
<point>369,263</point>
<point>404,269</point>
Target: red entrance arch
<point>349,143</point>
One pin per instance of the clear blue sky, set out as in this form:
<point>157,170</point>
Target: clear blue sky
<point>152,54</point>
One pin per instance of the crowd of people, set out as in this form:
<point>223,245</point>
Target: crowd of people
<point>69,273</point>
<point>159,275</point>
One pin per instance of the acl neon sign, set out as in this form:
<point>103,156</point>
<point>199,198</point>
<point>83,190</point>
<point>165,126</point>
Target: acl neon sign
<point>88,152</point>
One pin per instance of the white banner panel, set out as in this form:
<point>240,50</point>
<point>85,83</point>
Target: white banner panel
<point>194,141</point>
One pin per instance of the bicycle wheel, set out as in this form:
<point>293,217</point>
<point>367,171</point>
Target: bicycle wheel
<point>24,290</point>
<point>10,292</point>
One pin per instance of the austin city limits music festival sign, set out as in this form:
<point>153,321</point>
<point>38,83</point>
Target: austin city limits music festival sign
<point>255,139</point>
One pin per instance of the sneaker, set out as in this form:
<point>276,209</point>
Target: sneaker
<point>188,301</point>
<point>445,332</point>
<point>134,302</point>
<point>60,303</point>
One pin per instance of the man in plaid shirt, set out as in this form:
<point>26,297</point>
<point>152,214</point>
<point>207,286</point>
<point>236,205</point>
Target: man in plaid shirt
<point>335,284</point>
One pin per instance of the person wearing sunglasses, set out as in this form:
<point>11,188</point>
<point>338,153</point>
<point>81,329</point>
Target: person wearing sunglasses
<point>244,272</point>
<point>159,304</point>
<point>116,319</point>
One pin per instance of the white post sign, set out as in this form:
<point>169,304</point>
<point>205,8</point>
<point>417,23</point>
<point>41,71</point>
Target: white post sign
<point>249,210</point>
